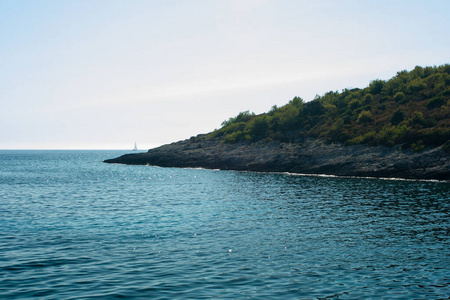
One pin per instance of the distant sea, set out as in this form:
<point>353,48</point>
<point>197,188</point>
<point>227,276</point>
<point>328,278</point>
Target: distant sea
<point>73,227</point>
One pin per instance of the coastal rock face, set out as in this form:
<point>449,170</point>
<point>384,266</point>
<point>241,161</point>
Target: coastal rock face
<point>311,157</point>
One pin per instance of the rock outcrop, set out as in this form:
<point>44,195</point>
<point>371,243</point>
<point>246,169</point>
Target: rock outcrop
<point>311,157</point>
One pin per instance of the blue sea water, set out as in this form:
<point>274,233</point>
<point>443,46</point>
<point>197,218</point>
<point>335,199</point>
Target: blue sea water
<point>72,227</point>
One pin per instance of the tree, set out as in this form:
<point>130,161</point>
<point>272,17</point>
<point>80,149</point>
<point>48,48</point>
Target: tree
<point>368,99</point>
<point>410,107</point>
<point>297,101</point>
<point>397,117</point>
<point>314,108</point>
<point>376,86</point>
<point>354,104</point>
<point>241,117</point>
<point>436,102</point>
<point>417,118</point>
<point>257,127</point>
<point>399,96</point>
<point>364,117</point>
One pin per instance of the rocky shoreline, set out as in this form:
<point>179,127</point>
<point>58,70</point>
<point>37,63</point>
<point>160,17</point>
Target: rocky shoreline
<point>311,157</point>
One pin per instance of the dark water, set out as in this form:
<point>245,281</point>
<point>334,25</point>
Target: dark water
<point>73,227</point>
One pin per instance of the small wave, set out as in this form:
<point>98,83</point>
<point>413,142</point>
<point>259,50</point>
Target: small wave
<point>363,177</point>
<point>45,263</point>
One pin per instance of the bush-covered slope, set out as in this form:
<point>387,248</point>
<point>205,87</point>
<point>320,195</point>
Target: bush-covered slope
<point>412,109</point>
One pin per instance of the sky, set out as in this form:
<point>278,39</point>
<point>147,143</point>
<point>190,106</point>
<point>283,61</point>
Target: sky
<point>104,74</point>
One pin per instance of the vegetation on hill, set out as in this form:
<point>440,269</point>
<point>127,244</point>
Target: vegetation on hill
<point>412,109</point>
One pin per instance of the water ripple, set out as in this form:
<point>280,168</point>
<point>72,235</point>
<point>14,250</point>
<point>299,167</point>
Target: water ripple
<point>73,227</point>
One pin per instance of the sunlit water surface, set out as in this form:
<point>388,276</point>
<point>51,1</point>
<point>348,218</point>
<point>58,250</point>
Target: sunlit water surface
<point>74,227</point>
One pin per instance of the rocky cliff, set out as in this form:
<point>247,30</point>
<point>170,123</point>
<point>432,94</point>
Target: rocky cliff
<point>310,157</point>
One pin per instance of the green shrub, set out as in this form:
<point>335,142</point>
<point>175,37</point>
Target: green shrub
<point>415,86</point>
<point>367,138</point>
<point>237,136</point>
<point>368,99</point>
<point>241,117</point>
<point>436,102</point>
<point>410,107</point>
<point>417,118</point>
<point>399,96</point>
<point>418,146</point>
<point>233,127</point>
<point>258,126</point>
<point>397,117</point>
<point>391,135</point>
<point>365,117</point>
<point>354,104</point>
<point>355,141</point>
<point>376,86</point>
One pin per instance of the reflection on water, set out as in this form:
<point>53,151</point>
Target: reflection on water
<point>75,227</point>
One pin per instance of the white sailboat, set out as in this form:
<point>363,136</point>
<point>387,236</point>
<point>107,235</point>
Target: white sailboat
<point>135,147</point>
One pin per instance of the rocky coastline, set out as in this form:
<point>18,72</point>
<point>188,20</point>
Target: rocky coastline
<point>310,157</point>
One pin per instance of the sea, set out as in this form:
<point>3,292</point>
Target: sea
<point>73,227</point>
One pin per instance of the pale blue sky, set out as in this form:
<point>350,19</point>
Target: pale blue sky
<point>102,74</point>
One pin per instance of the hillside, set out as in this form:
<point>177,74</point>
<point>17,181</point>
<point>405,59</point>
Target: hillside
<point>395,128</point>
<point>412,109</point>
